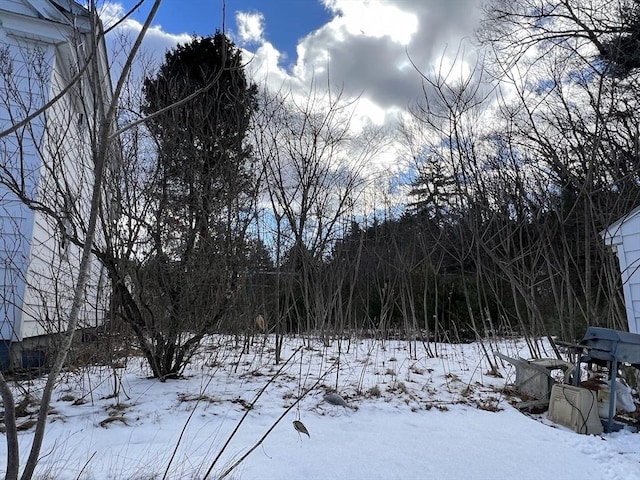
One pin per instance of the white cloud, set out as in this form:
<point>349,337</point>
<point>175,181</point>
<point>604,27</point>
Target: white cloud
<point>263,66</point>
<point>373,18</point>
<point>156,42</point>
<point>250,27</point>
<point>111,13</point>
<point>369,47</point>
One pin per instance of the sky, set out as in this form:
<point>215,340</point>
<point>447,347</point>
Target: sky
<point>365,47</point>
<point>204,17</point>
<point>370,52</point>
<point>410,416</point>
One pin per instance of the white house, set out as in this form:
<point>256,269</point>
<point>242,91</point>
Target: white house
<point>47,49</point>
<point>624,236</point>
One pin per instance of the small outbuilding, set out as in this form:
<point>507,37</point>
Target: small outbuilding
<point>624,236</point>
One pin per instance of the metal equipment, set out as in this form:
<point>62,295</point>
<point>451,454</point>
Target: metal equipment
<point>535,377</point>
<point>608,348</point>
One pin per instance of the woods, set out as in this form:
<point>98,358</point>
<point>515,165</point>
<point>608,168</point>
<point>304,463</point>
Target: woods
<point>519,165</point>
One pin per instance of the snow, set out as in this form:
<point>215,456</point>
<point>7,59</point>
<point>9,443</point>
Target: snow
<point>409,416</point>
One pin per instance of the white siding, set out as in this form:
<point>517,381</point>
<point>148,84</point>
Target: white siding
<point>22,91</point>
<point>53,155</point>
<point>625,235</point>
<point>15,230</point>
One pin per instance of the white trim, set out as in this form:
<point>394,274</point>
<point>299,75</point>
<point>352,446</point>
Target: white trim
<point>20,26</point>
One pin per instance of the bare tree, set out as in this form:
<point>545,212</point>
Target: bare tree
<point>569,104</point>
<point>314,175</point>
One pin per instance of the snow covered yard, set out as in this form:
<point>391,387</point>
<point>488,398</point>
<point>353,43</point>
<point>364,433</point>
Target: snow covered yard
<point>410,416</point>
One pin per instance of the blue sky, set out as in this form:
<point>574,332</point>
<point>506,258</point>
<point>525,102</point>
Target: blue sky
<point>286,21</point>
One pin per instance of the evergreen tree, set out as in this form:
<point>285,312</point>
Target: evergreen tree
<point>199,104</point>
